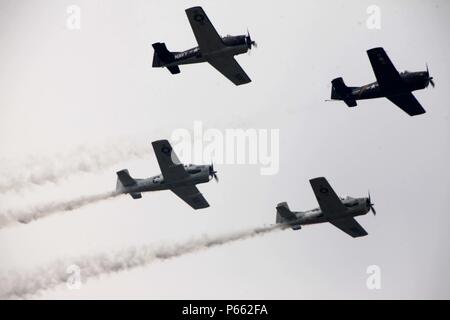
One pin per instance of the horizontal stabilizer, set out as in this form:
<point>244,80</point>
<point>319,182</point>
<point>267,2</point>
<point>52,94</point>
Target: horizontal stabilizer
<point>174,69</point>
<point>136,195</point>
<point>350,102</point>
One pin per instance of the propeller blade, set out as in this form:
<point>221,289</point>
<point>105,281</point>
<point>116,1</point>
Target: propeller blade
<point>212,172</point>
<point>432,82</point>
<point>430,79</point>
<point>369,202</point>
<point>250,41</point>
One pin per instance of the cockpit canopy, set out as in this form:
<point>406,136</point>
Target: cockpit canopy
<point>234,40</point>
<point>192,168</point>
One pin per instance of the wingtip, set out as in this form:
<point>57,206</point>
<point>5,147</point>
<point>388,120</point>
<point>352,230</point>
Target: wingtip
<point>202,207</point>
<point>193,8</point>
<point>160,141</point>
<point>418,113</point>
<point>241,83</point>
<point>375,49</point>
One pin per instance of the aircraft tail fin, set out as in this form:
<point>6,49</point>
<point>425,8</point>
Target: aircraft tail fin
<point>124,180</point>
<point>285,215</point>
<point>339,91</point>
<point>163,56</point>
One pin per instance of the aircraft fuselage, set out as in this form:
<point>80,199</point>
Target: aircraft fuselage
<point>234,45</point>
<point>413,81</point>
<point>355,207</point>
<point>197,174</point>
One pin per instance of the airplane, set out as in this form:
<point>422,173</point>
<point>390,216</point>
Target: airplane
<point>395,86</point>
<point>180,179</point>
<point>217,51</point>
<point>340,212</point>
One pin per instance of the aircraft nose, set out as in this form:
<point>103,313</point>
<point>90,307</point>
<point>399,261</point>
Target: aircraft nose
<point>249,41</point>
<point>213,173</point>
<point>428,78</point>
<point>369,206</point>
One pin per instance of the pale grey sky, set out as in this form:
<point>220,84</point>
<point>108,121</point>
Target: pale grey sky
<point>62,89</point>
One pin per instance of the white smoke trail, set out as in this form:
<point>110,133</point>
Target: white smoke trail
<point>17,175</point>
<point>43,210</point>
<point>22,286</point>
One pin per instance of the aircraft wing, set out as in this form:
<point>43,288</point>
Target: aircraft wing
<point>330,204</point>
<point>170,165</point>
<point>387,76</point>
<point>408,103</point>
<point>192,196</point>
<point>207,37</point>
<point>390,81</point>
<point>231,69</point>
<point>350,226</point>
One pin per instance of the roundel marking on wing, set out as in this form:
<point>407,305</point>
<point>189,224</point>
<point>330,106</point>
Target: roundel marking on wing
<point>323,190</point>
<point>199,17</point>
<point>166,150</point>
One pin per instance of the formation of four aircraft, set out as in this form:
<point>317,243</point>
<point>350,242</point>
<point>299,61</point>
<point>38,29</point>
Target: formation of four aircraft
<point>219,52</point>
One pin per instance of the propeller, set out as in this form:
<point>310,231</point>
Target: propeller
<point>213,173</point>
<point>430,79</point>
<point>250,42</point>
<point>370,205</point>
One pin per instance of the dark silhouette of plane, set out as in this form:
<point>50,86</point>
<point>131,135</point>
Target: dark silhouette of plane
<point>395,86</point>
<point>340,212</point>
<point>217,51</point>
<point>180,179</point>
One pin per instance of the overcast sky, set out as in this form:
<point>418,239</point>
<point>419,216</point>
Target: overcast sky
<point>63,89</point>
